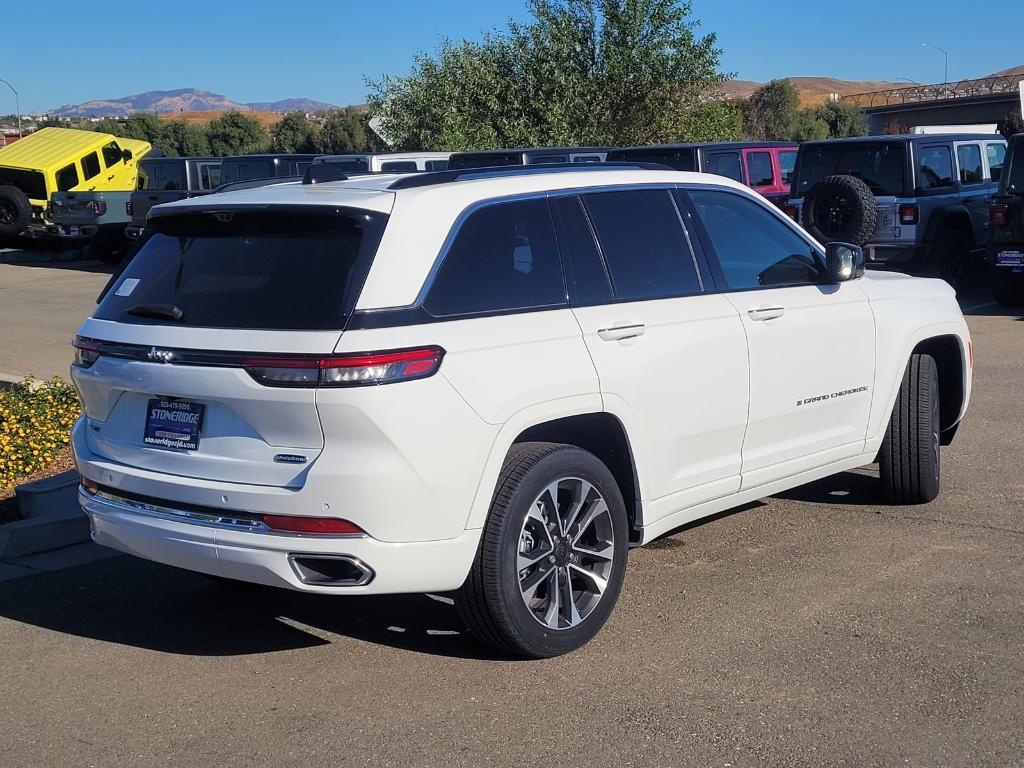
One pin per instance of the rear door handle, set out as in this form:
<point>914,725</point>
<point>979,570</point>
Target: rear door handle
<point>766,313</point>
<point>622,332</point>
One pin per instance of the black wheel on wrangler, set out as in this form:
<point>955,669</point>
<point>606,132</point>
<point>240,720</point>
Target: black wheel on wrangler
<point>840,208</point>
<point>908,461</point>
<point>15,210</point>
<point>552,555</point>
<point>950,257</point>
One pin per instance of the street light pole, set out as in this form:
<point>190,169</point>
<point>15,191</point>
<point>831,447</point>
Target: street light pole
<point>17,103</point>
<point>945,73</point>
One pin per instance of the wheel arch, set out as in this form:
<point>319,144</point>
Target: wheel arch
<point>951,361</point>
<point>949,217</point>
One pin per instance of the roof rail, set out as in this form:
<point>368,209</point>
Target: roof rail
<point>468,174</point>
<point>318,173</point>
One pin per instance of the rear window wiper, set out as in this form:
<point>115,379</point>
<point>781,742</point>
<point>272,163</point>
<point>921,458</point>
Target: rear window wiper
<point>161,311</point>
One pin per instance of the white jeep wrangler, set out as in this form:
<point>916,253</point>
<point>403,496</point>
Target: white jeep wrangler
<point>492,382</point>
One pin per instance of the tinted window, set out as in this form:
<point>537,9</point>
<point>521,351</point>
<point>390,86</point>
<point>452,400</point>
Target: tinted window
<point>881,165</point>
<point>643,243</point>
<point>166,175</point>
<point>112,154</point>
<point>586,159</point>
<point>1015,170</point>
<point>209,175</point>
<point>485,159</point>
<point>996,156</point>
<point>754,247</point>
<point>259,270</point>
<point>787,161</point>
<point>91,165</point>
<point>437,165</point>
<point>32,183</point>
<point>759,169</point>
<point>588,282</point>
<point>679,159</point>
<point>968,157</point>
<point>399,165</point>
<point>545,159</point>
<point>67,177</point>
<point>503,257</point>
<point>352,164</point>
<point>934,168</point>
<point>242,170</point>
<point>724,164</point>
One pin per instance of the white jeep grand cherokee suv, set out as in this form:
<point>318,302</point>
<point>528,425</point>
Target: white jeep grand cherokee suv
<point>492,381</point>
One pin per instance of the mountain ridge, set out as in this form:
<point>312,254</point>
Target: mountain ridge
<point>182,100</point>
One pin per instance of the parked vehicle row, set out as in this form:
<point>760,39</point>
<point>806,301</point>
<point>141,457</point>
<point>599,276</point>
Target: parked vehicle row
<point>492,382</point>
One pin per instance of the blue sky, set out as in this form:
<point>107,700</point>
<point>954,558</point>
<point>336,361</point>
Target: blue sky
<point>77,51</point>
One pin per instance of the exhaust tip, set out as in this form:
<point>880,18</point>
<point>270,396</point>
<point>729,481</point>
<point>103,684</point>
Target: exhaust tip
<point>331,570</point>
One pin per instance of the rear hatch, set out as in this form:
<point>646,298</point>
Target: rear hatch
<point>77,207</point>
<point>164,363</point>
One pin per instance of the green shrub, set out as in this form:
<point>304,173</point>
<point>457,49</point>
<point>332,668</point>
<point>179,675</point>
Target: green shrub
<point>35,424</point>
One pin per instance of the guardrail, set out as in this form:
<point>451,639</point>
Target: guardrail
<point>911,94</point>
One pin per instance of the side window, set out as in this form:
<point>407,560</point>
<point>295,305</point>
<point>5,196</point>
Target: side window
<point>585,270</point>
<point>759,169</point>
<point>112,154</point>
<point>643,243</point>
<point>724,164</point>
<point>504,257</point>
<point>968,158</point>
<point>935,168</point>
<point>437,165</point>
<point>209,175</point>
<point>398,166</point>
<point>67,177</point>
<point>996,156</point>
<point>91,165</point>
<point>787,162</point>
<point>755,249</point>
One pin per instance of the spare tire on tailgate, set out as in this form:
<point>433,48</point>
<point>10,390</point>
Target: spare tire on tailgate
<point>15,211</point>
<point>840,208</point>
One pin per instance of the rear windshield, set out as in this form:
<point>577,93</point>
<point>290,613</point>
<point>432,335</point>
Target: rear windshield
<point>882,166</point>
<point>162,175</point>
<point>245,169</point>
<point>32,183</point>
<point>281,270</point>
<point>680,159</point>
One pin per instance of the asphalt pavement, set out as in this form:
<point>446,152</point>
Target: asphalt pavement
<point>817,628</point>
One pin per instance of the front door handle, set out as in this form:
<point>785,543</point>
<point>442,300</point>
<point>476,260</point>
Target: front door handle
<point>766,313</point>
<point>622,332</point>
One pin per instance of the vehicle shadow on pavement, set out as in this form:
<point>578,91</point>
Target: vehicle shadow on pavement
<point>137,603</point>
<point>859,487</point>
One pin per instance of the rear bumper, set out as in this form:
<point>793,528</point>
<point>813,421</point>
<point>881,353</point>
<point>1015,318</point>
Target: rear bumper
<point>275,559</point>
<point>893,255</point>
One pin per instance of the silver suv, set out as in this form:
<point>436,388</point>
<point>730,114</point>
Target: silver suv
<point>915,203</point>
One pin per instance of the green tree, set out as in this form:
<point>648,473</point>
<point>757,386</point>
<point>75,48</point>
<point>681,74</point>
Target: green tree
<point>808,126</point>
<point>293,134</point>
<point>345,130</point>
<point>842,119</point>
<point>145,127</point>
<point>770,113</point>
<point>186,139</point>
<point>579,72</point>
<point>234,133</point>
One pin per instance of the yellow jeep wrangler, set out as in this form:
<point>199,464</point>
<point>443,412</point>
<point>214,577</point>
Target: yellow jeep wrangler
<point>60,160</point>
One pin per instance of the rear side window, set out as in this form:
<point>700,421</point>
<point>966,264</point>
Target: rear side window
<point>968,157</point>
<point>91,165</point>
<point>755,249</point>
<point>268,270</point>
<point>643,243</point>
<point>787,162</point>
<point>585,271</point>
<point>679,159</point>
<point>112,154</point>
<point>351,164</point>
<point>759,169</point>
<point>397,166</point>
<point>485,160</point>
<point>504,257</point>
<point>996,157</point>
<point>67,177</point>
<point>437,165</point>
<point>209,175</point>
<point>243,170</point>
<point>934,168</point>
<point>724,164</point>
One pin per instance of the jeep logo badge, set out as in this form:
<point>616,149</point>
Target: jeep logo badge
<point>160,355</point>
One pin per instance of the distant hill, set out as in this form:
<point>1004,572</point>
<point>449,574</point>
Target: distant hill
<point>1011,71</point>
<point>181,100</point>
<point>290,105</point>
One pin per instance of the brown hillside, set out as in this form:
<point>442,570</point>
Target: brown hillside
<point>266,119</point>
<point>812,90</point>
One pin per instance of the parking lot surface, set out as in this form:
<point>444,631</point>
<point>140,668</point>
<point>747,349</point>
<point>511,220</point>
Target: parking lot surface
<point>817,628</point>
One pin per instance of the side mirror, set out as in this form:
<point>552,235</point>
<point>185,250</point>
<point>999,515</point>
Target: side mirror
<point>844,261</point>
<point>126,155</point>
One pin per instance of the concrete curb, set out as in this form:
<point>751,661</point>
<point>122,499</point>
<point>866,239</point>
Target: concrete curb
<point>49,496</point>
<point>53,519</point>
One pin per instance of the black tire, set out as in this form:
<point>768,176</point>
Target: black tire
<point>840,208</point>
<point>491,601</point>
<point>908,461</point>
<point>1008,287</point>
<point>15,211</point>
<point>950,256</point>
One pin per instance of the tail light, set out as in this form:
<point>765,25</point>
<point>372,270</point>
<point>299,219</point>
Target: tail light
<point>86,351</point>
<point>98,207</point>
<point>346,370</point>
<point>128,208</point>
<point>908,213</point>
<point>791,211</point>
<point>327,526</point>
<point>998,215</point>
